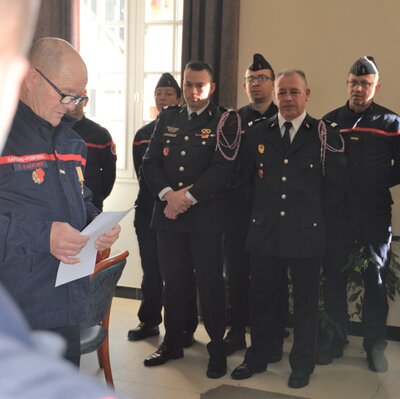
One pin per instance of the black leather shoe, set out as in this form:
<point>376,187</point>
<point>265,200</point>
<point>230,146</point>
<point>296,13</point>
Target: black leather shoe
<point>187,339</point>
<point>143,331</point>
<point>377,361</point>
<point>245,370</point>
<point>216,367</point>
<point>299,379</point>
<point>234,341</point>
<point>162,355</point>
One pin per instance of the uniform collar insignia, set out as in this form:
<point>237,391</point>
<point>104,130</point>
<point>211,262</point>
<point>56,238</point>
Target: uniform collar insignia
<point>274,123</point>
<point>172,129</point>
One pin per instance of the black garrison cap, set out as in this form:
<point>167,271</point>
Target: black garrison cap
<point>259,62</point>
<point>364,66</point>
<point>167,80</point>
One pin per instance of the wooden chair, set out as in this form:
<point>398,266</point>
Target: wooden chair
<point>94,329</point>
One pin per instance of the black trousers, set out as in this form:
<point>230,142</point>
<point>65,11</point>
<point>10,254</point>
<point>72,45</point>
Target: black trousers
<point>72,337</point>
<point>237,262</point>
<point>180,254</point>
<point>265,327</point>
<point>371,231</point>
<point>152,283</point>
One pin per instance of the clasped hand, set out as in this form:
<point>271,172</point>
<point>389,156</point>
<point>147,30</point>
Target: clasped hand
<point>177,202</point>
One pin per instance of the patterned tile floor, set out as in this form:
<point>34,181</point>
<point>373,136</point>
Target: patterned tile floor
<point>346,378</point>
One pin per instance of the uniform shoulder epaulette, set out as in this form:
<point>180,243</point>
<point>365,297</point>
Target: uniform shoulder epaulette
<point>330,123</point>
<point>225,109</point>
<point>256,121</point>
<point>170,107</point>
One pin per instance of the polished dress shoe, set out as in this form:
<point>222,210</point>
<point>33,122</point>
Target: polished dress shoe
<point>187,339</point>
<point>299,379</point>
<point>216,367</point>
<point>235,340</point>
<point>245,370</point>
<point>377,361</point>
<point>143,331</point>
<point>162,355</point>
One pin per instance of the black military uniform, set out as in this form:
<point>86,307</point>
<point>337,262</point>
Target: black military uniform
<point>185,152</point>
<point>152,284</point>
<point>292,190</point>
<point>373,153</point>
<point>101,161</point>
<point>238,210</point>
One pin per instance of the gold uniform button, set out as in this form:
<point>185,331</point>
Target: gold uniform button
<point>186,138</point>
<point>283,213</point>
<point>254,220</point>
<point>311,165</point>
<point>203,143</point>
<point>183,153</point>
<point>180,184</point>
<point>181,168</point>
<point>284,178</point>
<point>283,196</point>
<point>315,224</point>
<point>261,165</point>
<point>285,161</point>
<point>168,141</point>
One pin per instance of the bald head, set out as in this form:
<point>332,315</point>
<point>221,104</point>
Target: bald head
<point>57,70</point>
<point>51,55</point>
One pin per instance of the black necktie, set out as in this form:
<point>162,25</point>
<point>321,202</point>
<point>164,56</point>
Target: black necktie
<point>286,135</point>
<point>193,116</point>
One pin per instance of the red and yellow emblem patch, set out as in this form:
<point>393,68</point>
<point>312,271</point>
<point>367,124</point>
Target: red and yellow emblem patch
<point>261,148</point>
<point>38,176</point>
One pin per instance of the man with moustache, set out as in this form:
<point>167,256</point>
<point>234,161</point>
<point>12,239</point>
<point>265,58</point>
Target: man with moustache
<point>187,165</point>
<point>371,134</point>
<point>294,164</point>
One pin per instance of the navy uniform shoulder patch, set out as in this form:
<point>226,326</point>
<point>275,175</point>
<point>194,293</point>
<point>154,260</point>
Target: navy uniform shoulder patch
<point>256,121</point>
<point>330,123</point>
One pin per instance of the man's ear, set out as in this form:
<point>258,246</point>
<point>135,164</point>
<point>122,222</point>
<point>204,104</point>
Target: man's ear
<point>212,88</point>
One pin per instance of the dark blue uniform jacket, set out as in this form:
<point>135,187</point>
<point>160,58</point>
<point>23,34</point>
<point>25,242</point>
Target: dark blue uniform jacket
<point>291,193</point>
<point>41,171</point>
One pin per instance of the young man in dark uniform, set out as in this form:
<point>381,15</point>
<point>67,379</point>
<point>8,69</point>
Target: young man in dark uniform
<point>371,133</point>
<point>100,171</point>
<point>292,161</point>
<point>259,86</point>
<point>187,165</point>
<point>167,93</point>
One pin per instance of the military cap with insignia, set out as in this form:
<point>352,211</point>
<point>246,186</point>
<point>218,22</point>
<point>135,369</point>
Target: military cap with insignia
<point>167,80</point>
<point>259,62</point>
<point>364,66</point>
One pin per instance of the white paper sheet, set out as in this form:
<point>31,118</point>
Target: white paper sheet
<point>100,225</point>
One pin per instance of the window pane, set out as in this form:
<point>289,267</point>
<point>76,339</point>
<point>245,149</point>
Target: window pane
<point>159,45</point>
<point>103,49</point>
<point>159,10</point>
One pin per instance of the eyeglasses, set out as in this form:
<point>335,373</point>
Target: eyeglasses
<point>363,83</point>
<point>65,98</point>
<point>259,78</point>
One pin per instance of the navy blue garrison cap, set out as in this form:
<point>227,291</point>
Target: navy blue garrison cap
<point>364,66</point>
<point>167,80</point>
<point>259,62</point>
